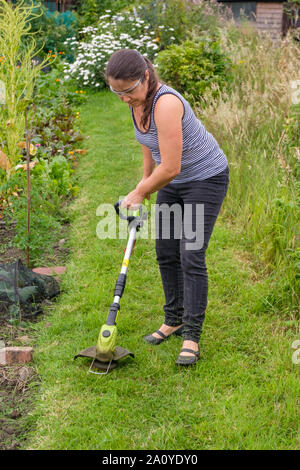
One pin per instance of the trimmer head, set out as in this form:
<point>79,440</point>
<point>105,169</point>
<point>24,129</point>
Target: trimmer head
<point>91,352</point>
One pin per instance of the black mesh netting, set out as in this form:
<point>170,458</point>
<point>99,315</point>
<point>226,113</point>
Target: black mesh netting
<point>22,290</point>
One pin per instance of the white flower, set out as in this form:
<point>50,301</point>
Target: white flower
<point>102,41</point>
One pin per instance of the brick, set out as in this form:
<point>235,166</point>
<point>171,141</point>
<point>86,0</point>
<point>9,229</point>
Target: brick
<point>50,271</point>
<point>15,355</point>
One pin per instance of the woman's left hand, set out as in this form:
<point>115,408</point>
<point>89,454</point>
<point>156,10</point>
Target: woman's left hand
<point>133,200</point>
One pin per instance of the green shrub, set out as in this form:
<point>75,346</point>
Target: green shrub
<point>167,19</point>
<point>174,21</point>
<point>44,222</point>
<point>52,29</point>
<point>88,11</point>
<point>193,67</point>
<point>49,183</point>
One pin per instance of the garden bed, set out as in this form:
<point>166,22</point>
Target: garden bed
<point>9,253</point>
<point>18,382</point>
<point>55,148</point>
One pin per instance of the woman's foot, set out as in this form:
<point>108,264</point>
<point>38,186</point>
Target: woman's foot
<point>189,354</point>
<point>189,345</point>
<point>162,334</point>
<point>166,330</point>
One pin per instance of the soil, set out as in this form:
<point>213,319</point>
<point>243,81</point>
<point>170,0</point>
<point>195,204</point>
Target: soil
<point>17,385</point>
<point>9,253</point>
<point>19,382</point>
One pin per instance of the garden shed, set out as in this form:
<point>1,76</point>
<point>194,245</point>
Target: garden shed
<point>275,17</point>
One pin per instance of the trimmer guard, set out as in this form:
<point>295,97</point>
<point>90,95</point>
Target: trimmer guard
<point>119,353</point>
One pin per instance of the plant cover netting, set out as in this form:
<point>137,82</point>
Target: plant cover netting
<point>22,291</point>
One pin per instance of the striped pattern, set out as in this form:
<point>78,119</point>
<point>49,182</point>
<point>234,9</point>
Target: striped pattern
<point>202,157</point>
<point>269,17</point>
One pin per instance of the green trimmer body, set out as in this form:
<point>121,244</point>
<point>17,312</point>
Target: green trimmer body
<point>105,355</point>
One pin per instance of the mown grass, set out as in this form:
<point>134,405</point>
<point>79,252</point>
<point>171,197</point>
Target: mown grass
<point>243,393</point>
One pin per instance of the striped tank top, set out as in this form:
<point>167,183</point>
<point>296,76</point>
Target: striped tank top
<point>201,158</point>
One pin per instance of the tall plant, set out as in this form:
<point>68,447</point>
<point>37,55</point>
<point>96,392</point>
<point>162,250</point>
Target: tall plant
<point>18,73</point>
<point>258,129</point>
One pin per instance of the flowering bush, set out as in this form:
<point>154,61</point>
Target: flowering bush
<point>113,32</point>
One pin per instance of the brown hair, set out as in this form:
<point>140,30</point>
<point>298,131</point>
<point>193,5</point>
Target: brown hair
<point>129,64</point>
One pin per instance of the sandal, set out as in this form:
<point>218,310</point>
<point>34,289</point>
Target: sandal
<point>187,360</point>
<point>152,340</point>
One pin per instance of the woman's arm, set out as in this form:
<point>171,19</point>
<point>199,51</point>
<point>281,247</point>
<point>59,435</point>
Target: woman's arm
<point>168,115</point>
<point>149,163</point>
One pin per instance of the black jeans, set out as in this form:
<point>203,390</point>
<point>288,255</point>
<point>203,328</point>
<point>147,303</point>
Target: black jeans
<point>181,257</point>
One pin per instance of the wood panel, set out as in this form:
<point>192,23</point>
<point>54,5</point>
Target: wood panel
<point>269,17</point>
<point>60,5</point>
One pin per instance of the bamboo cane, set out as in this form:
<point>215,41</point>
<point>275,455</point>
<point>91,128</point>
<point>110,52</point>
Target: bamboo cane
<point>28,139</point>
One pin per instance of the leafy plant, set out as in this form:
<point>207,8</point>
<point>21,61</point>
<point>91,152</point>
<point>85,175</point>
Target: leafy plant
<point>53,154</point>
<point>167,19</point>
<point>44,224</point>
<point>60,174</point>
<point>194,67</point>
<point>88,11</point>
<point>51,29</point>
<point>175,21</point>
<point>18,74</point>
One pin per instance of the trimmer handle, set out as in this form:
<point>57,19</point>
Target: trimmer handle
<point>122,216</point>
<point>137,218</point>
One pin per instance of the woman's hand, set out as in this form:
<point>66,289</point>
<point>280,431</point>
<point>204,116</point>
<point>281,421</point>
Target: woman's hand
<point>133,200</point>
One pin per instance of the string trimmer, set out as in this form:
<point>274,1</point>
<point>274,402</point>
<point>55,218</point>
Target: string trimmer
<point>106,354</point>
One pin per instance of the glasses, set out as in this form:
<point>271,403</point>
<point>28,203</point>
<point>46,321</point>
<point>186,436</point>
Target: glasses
<point>126,92</point>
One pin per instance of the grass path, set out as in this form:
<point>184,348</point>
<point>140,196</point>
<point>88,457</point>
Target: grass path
<point>243,394</point>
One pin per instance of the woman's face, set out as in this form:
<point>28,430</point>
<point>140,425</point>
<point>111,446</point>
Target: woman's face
<point>137,89</point>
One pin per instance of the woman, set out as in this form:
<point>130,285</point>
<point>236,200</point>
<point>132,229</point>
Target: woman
<point>184,163</point>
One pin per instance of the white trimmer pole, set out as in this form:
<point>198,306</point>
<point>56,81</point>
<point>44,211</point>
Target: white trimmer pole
<point>126,259</point>
<point>135,222</point>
